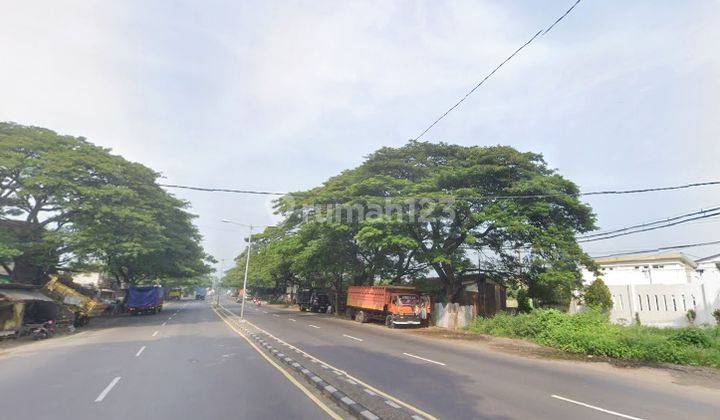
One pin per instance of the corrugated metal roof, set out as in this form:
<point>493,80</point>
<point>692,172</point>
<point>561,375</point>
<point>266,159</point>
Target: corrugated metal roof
<point>16,294</point>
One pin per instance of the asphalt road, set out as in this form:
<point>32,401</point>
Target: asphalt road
<point>451,379</point>
<point>189,366</point>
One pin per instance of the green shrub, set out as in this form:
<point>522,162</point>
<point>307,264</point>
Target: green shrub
<point>597,295</point>
<point>693,337</point>
<point>691,316</point>
<point>590,332</point>
<point>716,315</point>
<point>523,301</point>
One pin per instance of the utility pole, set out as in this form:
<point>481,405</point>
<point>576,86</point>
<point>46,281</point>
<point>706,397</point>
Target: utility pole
<point>219,281</point>
<point>247,264</point>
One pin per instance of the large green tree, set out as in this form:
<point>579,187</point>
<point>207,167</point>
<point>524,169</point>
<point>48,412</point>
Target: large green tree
<point>66,203</point>
<point>425,206</point>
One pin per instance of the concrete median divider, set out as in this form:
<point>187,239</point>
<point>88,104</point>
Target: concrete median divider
<point>326,379</point>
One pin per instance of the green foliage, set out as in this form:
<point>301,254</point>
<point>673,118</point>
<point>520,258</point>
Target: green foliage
<point>597,295</point>
<point>716,315</point>
<point>590,332</point>
<point>67,203</point>
<point>424,205</point>
<point>691,316</point>
<point>523,301</point>
<point>692,337</point>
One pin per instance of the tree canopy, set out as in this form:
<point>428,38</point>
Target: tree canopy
<point>67,204</point>
<point>423,208</point>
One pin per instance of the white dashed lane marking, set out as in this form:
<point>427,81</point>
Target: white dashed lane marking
<point>422,358</point>
<point>352,338</point>
<point>139,352</point>
<point>614,413</point>
<point>107,389</point>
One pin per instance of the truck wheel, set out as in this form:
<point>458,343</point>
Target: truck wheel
<point>360,317</point>
<point>389,322</point>
<point>302,309</point>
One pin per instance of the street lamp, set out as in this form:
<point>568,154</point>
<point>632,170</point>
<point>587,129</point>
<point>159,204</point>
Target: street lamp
<point>247,264</point>
<point>219,281</point>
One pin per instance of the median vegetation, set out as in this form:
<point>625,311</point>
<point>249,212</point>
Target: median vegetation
<point>591,333</point>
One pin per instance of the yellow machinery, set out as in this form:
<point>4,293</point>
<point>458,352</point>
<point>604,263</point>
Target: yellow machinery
<point>82,305</point>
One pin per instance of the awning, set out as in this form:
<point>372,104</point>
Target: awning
<point>23,295</point>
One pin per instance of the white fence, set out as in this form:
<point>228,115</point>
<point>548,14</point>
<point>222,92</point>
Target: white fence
<point>452,315</point>
<point>664,305</point>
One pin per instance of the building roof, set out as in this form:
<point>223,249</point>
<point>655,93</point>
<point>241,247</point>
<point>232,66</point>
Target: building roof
<point>709,258</point>
<point>21,292</point>
<point>647,258</point>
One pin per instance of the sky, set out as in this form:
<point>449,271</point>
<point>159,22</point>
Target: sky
<point>281,95</point>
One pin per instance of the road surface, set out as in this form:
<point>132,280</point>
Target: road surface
<point>187,362</point>
<point>190,366</point>
<point>451,379</point>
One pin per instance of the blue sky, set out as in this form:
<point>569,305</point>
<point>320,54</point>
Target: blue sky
<point>282,95</point>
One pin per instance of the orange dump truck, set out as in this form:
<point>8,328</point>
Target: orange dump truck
<point>394,305</point>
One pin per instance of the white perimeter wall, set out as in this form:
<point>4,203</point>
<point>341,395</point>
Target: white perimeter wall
<point>664,305</point>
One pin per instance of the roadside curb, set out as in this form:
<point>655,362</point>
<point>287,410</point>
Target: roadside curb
<point>340,398</point>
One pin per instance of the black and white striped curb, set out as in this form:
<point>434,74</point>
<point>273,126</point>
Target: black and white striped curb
<point>324,387</point>
<point>343,400</point>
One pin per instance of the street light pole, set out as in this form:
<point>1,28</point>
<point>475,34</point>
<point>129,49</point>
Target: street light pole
<point>247,266</point>
<point>219,281</point>
<point>247,263</point>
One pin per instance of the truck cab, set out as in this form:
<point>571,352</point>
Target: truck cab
<point>407,309</point>
<point>314,300</point>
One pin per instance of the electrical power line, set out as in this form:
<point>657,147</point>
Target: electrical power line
<point>541,32</point>
<point>228,190</point>
<point>642,225</point>
<point>650,228</point>
<point>498,197</point>
<point>665,248</point>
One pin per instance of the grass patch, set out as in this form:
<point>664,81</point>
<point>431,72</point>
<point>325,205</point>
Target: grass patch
<point>591,333</point>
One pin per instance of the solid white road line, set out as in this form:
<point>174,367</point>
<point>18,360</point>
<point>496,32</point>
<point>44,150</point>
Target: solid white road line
<point>422,358</point>
<point>314,326</point>
<point>142,349</point>
<point>155,333</point>
<point>614,413</point>
<point>107,389</point>
<point>354,338</point>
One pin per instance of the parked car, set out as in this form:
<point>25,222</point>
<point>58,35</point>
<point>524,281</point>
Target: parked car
<point>144,299</point>
<point>394,305</point>
<point>314,300</point>
<point>200,293</point>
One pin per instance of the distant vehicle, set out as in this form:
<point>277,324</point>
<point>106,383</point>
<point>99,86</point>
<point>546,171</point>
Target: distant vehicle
<point>200,293</point>
<point>175,294</point>
<point>83,306</point>
<point>394,305</point>
<point>144,299</point>
<point>314,300</point>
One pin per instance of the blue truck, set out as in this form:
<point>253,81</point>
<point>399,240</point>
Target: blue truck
<point>144,299</point>
<point>200,293</point>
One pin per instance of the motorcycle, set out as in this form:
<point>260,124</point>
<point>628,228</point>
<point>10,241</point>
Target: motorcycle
<point>46,330</point>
